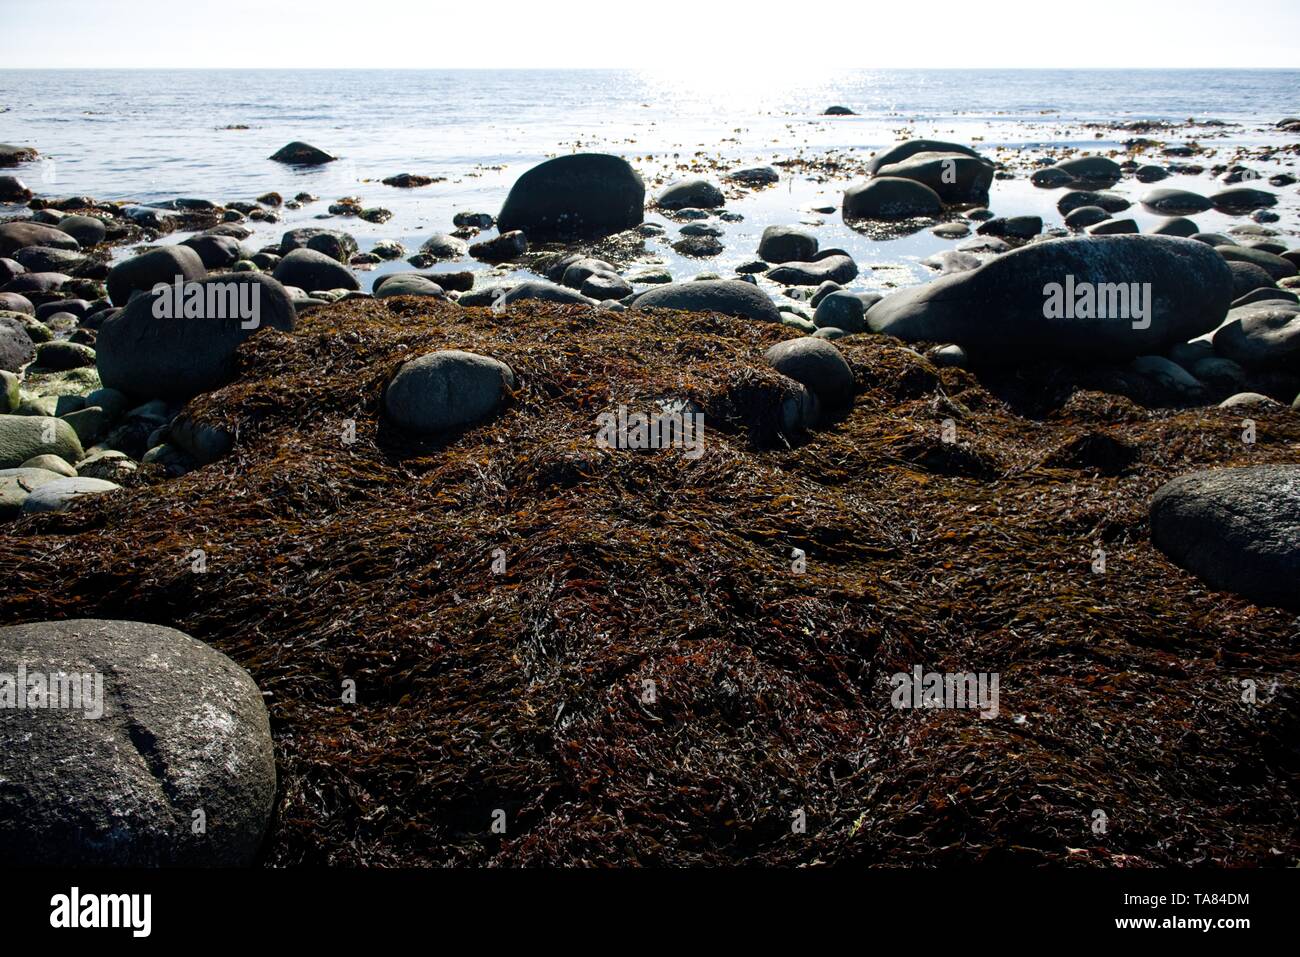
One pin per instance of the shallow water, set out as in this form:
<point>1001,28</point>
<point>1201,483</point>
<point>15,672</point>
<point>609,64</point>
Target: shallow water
<point>152,136</point>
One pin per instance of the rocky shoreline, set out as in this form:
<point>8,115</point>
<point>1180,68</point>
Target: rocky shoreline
<point>315,479</point>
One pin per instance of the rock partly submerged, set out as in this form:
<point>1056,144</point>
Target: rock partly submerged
<point>1004,310</point>
<point>582,195</point>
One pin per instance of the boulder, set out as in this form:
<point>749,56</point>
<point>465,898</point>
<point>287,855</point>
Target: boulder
<point>332,242</point>
<point>408,284</point>
<point>1033,301</point>
<point>1077,198</point>
<point>179,728</point>
<point>1275,266</point>
<point>954,177</point>
<point>1242,199</point>
<point>1264,335</point>
<point>543,291</point>
<point>442,246</point>
<point>1175,202</point>
<point>816,364</point>
<point>16,346</point>
<point>13,190</point>
<point>15,235</point>
<point>312,270</point>
<point>86,230</point>
<point>298,153</point>
<point>909,148</point>
<point>61,495</point>
<point>844,310</point>
<point>1086,216</point>
<point>691,194</point>
<point>1237,529</point>
<point>756,176</point>
<point>16,484</point>
<point>1248,278</point>
<point>1090,171</point>
<point>781,244</point>
<point>582,195</point>
<point>142,273</point>
<point>831,265</point>
<point>142,354</point>
<point>890,197</point>
<point>24,437</point>
<point>732,297</point>
<point>447,390</point>
<point>216,252</point>
<point>502,248</point>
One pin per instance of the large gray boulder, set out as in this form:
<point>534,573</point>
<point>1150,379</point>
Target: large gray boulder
<point>24,437</point>
<point>1175,202</point>
<point>543,291</point>
<point>817,364</point>
<point>447,390</point>
<point>890,197</point>
<point>86,230</point>
<point>691,194</point>
<point>830,265</point>
<point>177,770</point>
<point>142,273</point>
<point>16,235</point>
<point>311,270</point>
<point>1020,305</point>
<point>66,492</point>
<point>148,356</point>
<point>1262,335</point>
<point>332,242</point>
<point>955,177</point>
<point>16,346</point>
<point>583,195</point>
<point>783,244</point>
<point>409,284</point>
<point>18,483</point>
<point>1090,171</point>
<point>1237,529</point>
<point>731,297</point>
<point>909,148</point>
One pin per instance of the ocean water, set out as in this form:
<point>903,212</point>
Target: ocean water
<point>152,136</point>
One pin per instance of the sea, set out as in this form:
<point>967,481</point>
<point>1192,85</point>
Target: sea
<point>154,136</point>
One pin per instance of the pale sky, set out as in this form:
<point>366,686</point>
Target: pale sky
<point>705,35</point>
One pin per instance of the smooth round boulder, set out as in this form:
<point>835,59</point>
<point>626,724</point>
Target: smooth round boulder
<point>909,148</point>
<point>142,273</point>
<point>441,246</point>
<point>1075,297</point>
<point>1091,171</point>
<point>1086,216</point>
<point>830,265</point>
<point>542,291</point>
<point>216,251</point>
<point>1247,278</point>
<point>16,484</point>
<point>409,284</point>
<point>18,234</point>
<point>1175,202</point>
<point>299,153</point>
<point>63,494</point>
<point>86,230</point>
<point>1242,199</point>
<point>309,269</point>
<point>731,297</point>
<point>1237,529</point>
<point>691,194</point>
<point>447,390</point>
<point>1076,198</point>
<point>332,242</point>
<point>176,727</point>
<point>24,437</point>
<point>843,310</point>
<point>889,197</point>
<point>584,195</point>
<point>60,355</point>
<point>1275,266</point>
<point>816,364</point>
<point>1263,335</point>
<point>956,177</point>
<point>16,345</point>
<point>756,176</point>
<point>780,244</point>
<point>142,353</point>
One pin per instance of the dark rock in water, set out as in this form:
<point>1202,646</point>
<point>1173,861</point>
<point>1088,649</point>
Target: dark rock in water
<point>13,190</point>
<point>1086,216</point>
<point>1275,266</point>
<point>332,242</point>
<point>1175,202</point>
<point>755,176</point>
<point>182,728</point>
<point>885,197</point>
<point>1113,227</point>
<point>503,248</point>
<point>142,273</point>
<point>1092,171</point>
<point>545,292</point>
<point>1018,227</point>
<point>217,252</point>
<point>311,270</point>
<point>583,195</point>
<point>1111,202</point>
<point>141,354</point>
<point>701,247</point>
<point>13,155</point>
<point>1264,335</point>
<point>701,229</point>
<point>1237,529</point>
<point>816,364</point>
<point>1068,298</point>
<point>408,284</point>
<point>731,297</point>
<point>1242,199</point>
<point>302,154</point>
<point>909,148</point>
<point>15,235</point>
<point>578,269</point>
<point>838,111</point>
<point>467,220</point>
<point>1178,226</point>
<point>692,194</point>
<point>16,346</point>
<point>603,286</point>
<point>86,230</point>
<point>407,180</point>
<point>441,246</point>
<point>951,231</point>
<point>447,390</point>
<point>1247,277</point>
<point>781,244</point>
<point>1050,177</point>
<point>1151,174</point>
<point>832,265</point>
<point>954,177</point>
